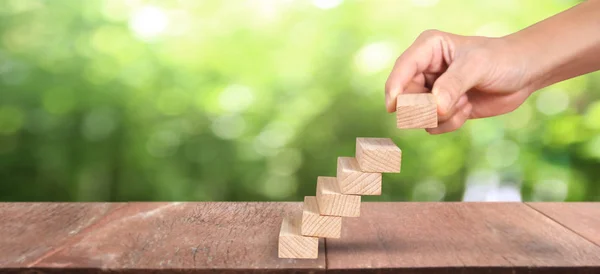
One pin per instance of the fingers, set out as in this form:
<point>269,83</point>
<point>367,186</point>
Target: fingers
<point>425,80</point>
<point>452,84</point>
<point>454,122</point>
<point>488,105</point>
<point>426,54</point>
<point>459,105</point>
<point>415,87</point>
<point>420,80</point>
<point>430,79</point>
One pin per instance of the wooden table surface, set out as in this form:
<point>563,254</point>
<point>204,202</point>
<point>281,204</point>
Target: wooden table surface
<point>242,237</point>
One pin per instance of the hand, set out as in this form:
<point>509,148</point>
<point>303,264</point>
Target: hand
<point>471,77</point>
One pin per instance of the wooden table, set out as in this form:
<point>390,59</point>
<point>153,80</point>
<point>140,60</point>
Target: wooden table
<point>242,237</point>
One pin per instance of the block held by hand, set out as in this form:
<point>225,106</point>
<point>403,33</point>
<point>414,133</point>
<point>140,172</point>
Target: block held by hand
<point>416,110</point>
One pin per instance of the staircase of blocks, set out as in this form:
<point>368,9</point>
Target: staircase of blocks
<point>340,196</point>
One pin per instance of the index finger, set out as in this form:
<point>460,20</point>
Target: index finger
<point>412,62</point>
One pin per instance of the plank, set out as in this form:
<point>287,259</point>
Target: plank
<point>353,181</point>
<point>458,237</point>
<point>291,242</point>
<point>162,237</point>
<point>416,110</point>
<point>29,231</point>
<point>316,225</point>
<point>242,237</point>
<point>378,155</point>
<point>582,218</point>
<point>332,202</point>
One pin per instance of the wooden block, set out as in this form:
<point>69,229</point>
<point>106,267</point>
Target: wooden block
<point>416,110</point>
<point>332,202</point>
<point>378,155</point>
<point>352,180</point>
<point>291,242</point>
<point>313,224</point>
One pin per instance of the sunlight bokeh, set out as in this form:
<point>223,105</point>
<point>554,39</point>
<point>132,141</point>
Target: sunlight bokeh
<point>109,100</point>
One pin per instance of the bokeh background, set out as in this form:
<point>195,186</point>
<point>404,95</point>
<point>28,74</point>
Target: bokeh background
<point>130,100</point>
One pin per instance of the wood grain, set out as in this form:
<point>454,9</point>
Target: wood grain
<point>582,218</point>
<point>332,202</point>
<point>31,231</point>
<point>378,155</point>
<point>161,237</point>
<point>353,181</point>
<point>416,110</point>
<point>291,242</point>
<point>459,237</point>
<point>316,225</point>
<point>242,237</point>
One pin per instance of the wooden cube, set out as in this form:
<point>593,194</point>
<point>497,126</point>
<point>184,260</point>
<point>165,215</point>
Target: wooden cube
<point>416,110</point>
<point>352,180</point>
<point>332,202</point>
<point>291,242</point>
<point>378,155</point>
<point>316,225</point>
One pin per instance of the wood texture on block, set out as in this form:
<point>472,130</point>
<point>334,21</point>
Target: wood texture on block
<point>378,155</point>
<point>291,242</point>
<point>416,110</point>
<point>317,225</point>
<point>142,237</point>
<point>459,238</point>
<point>332,202</point>
<point>352,180</point>
<point>582,218</point>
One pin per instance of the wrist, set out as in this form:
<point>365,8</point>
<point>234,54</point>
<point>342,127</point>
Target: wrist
<point>536,65</point>
<point>561,47</point>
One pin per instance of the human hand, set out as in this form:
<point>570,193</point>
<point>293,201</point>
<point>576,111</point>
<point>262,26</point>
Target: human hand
<point>471,77</point>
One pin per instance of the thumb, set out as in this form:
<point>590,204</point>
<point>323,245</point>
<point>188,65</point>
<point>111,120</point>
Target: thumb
<point>454,82</point>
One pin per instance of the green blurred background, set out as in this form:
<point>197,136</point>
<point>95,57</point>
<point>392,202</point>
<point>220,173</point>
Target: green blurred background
<point>128,100</point>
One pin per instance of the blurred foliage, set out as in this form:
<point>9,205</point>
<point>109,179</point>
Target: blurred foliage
<point>124,100</point>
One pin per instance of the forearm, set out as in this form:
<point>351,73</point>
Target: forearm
<point>563,46</point>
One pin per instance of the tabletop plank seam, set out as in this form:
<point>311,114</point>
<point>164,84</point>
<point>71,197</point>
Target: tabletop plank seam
<point>325,253</point>
<point>75,238</point>
<point>563,225</point>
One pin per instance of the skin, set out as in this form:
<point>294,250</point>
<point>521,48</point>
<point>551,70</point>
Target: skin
<point>476,77</point>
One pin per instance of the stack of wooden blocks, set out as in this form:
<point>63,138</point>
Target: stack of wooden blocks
<point>340,196</point>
